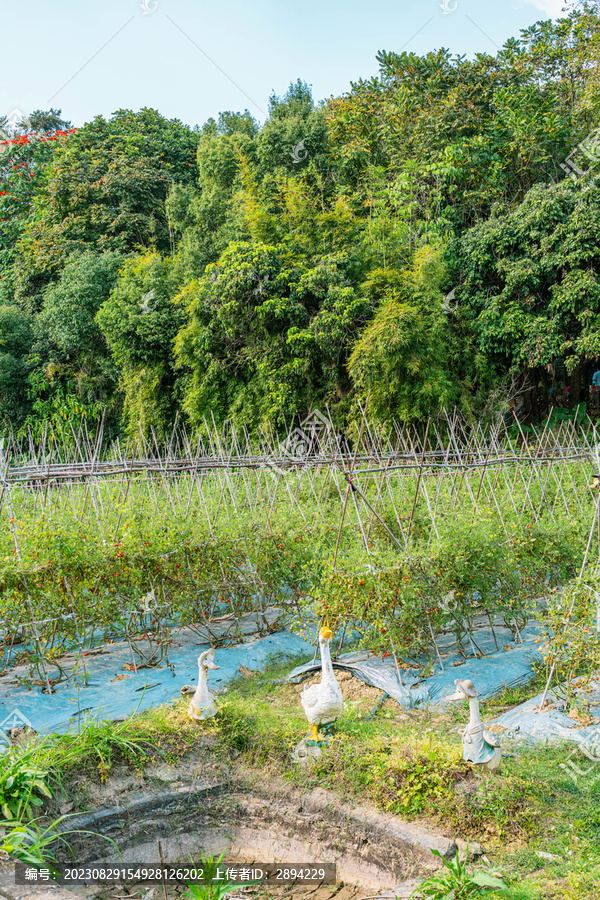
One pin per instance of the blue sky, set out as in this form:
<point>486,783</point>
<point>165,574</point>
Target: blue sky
<point>92,57</point>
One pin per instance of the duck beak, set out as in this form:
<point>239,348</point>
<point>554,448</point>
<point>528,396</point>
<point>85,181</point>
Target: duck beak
<point>457,695</point>
<point>212,665</point>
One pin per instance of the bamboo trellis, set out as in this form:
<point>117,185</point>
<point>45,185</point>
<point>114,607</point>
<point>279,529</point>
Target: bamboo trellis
<point>328,484</point>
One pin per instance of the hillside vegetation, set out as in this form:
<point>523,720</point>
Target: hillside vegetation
<point>254,273</point>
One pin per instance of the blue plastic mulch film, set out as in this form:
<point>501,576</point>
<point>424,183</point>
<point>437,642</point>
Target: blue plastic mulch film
<point>529,724</point>
<point>109,689</point>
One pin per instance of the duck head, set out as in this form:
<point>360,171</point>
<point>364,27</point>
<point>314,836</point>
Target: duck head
<point>464,690</point>
<point>325,635</point>
<point>206,660</point>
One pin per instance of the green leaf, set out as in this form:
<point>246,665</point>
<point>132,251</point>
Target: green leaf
<point>484,880</point>
<point>42,787</point>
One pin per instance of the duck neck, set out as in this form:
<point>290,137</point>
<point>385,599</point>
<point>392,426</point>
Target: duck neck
<point>475,718</point>
<point>202,689</point>
<point>326,664</point>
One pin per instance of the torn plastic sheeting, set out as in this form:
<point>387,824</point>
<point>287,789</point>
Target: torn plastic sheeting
<point>490,674</point>
<point>112,693</point>
<point>528,724</point>
<point>372,670</point>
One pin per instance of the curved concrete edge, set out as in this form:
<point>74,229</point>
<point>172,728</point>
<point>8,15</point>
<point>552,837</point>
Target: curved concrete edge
<point>399,829</point>
<point>318,801</point>
<point>140,803</point>
<point>256,819</point>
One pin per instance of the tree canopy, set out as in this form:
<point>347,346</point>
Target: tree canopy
<point>427,239</point>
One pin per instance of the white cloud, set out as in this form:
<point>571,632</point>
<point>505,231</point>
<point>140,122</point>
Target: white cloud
<point>552,8</point>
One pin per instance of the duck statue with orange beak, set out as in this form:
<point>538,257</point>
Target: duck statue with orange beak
<point>323,702</point>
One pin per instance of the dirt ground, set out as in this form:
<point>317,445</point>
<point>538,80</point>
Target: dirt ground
<point>327,892</point>
<point>340,891</point>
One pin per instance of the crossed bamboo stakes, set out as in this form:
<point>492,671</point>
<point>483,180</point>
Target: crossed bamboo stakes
<point>334,491</point>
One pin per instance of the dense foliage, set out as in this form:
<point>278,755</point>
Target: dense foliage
<point>136,559</point>
<point>256,272</point>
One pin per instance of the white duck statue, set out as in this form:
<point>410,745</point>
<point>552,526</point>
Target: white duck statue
<point>202,705</point>
<point>480,746</point>
<point>323,702</point>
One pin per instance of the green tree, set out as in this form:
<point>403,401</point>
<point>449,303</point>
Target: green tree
<point>70,305</point>
<point>140,321</point>
<point>454,136</point>
<point>531,283</point>
<point>23,160</point>
<point>16,340</point>
<point>45,121</point>
<point>230,123</point>
<point>402,358</point>
<point>263,342</point>
<point>69,344</point>
<point>206,218</point>
<point>295,134</point>
<point>105,189</point>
